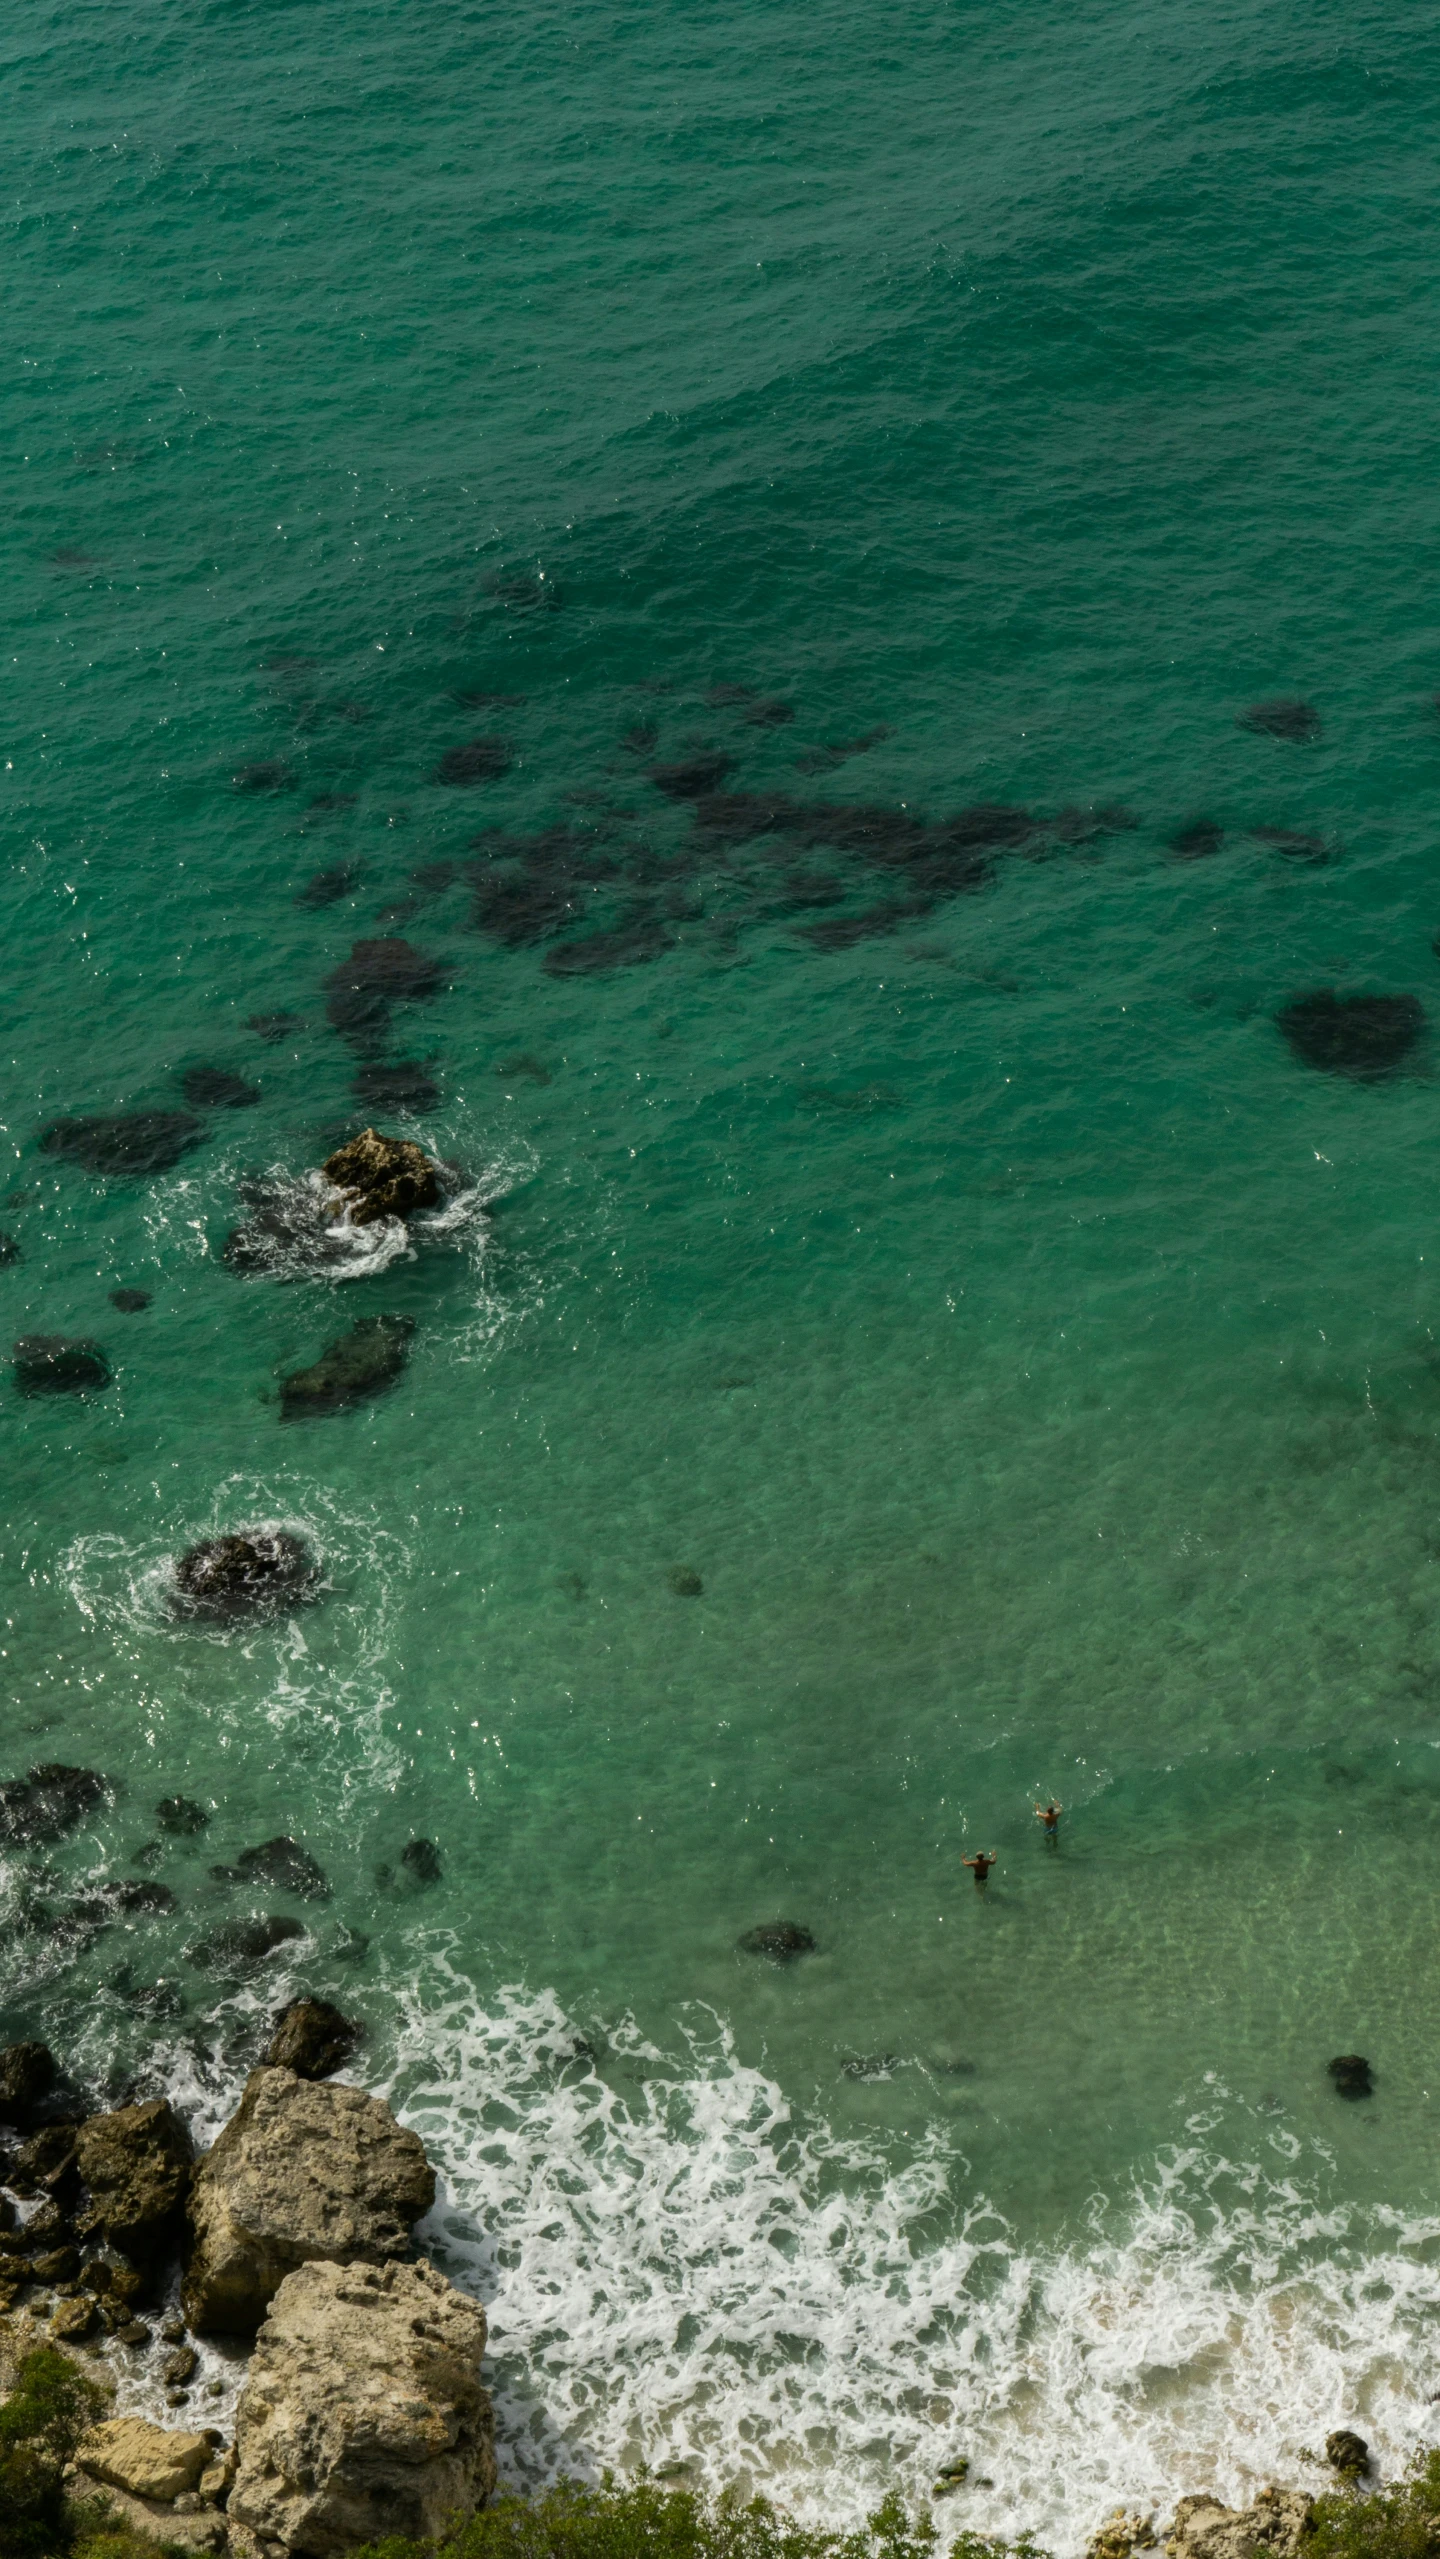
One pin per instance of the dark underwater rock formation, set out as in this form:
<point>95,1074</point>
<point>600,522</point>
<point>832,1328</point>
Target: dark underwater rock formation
<point>637,938</point>
<point>694,779</point>
<point>49,1364</point>
<point>312,2039</point>
<point>361,1363</point>
<point>1364,1036</point>
<point>685,1581</point>
<point>48,1802</point>
<point>1299,722</point>
<point>480,759</point>
<point>279,1863</point>
<point>383,1177</point>
<point>378,974</point>
<point>1351,2074</point>
<point>180,1817</point>
<point>1295,846</point>
<point>780,1940</point>
<point>244,1574</point>
<point>258,779</point>
<point>217,1088</point>
<point>274,1027</point>
<point>10,1252</point>
<point>326,888</point>
<point>27,2075</point>
<point>240,1946</point>
<point>130,1301</point>
<point>421,1858</point>
<point>1197,839</point>
<point>133,1143</point>
<point>401,1085</point>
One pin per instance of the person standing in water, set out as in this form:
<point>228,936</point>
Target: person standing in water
<point>1048,1816</point>
<point>980,1865</point>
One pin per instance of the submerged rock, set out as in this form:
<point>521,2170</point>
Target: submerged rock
<point>1351,2074</point>
<point>27,2074</point>
<point>282,1863</point>
<point>363,2413</point>
<point>326,888</point>
<point>1197,839</point>
<point>181,1817</point>
<point>240,1946</point>
<point>216,1088</point>
<point>695,779</point>
<point>402,1085</point>
<point>130,1301</point>
<point>360,992</point>
<point>10,1252</point>
<point>779,1939</point>
<point>241,1574</point>
<point>1299,722</point>
<point>1295,846</point>
<point>312,2039</point>
<point>1364,1036</point>
<point>383,1177</point>
<point>48,1802</point>
<point>274,1027</point>
<point>362,1362</point>
<point>421,1858</point>
<point>137,1143</point>
<point>136,2166</point>
<point>259,779</point>
<point>48,1364</point>
<point>303,2170</point>
<point>684,1581</point>
<point>480,759</point>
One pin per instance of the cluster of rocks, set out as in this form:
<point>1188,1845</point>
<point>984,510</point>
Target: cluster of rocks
<point>362,2411</point>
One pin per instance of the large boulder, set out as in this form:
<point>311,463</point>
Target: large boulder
<point>136,2165</point>
<point>312,2039</point>
<point>244,1573</point>
<point>379,1176</point>
<point>27,2074</point>
<point>363,2412</point>
<point>159,2462</point>
<point>1275,2525</point>
<point>302,2171</point>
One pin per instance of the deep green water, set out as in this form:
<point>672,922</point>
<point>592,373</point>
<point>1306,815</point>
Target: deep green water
<point>1035,1361</point>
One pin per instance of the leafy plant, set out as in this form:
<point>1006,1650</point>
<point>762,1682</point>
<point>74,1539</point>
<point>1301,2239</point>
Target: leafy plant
<point>644,2520</point>
<point>41,2423</point>
<point>1402,2522</point>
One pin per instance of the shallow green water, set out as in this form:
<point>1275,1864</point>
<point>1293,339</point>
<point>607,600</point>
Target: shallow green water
<point>1033,1359</point>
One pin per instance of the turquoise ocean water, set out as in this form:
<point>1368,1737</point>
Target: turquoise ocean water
<point>925,1241</point>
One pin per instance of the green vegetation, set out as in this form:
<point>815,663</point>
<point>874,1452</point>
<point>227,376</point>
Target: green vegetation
<point>1402,2522</point>
<point>645,2520</point>
<point>41,2423</point>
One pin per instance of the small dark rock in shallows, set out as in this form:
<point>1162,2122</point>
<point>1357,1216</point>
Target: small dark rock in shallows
<point>259,778</point>
<point>27,2073</point>
<point>684,1581</point>
<point>1300,722</point>
<point>421,1858</point>
<point>1348,2453</point>
<point>180,1817</point>
<point>1365,1036</point>
<point>781,1939</point>
<point>130,1301</point>
<point>282,1863</point>
<point>1351,2074</point>
<point>215,1088</point>
<point>179,2366</point>
<point>1197,839</point>
<point>47,1803</point>
<point>693,780</point>
<point>361,1363</point>
<point>134,1143</point>
<point>238,1575</point>
<point>312,2039</point>
<point>242,1945</point>
<point>9,1252</point>
<point>139,1901</point>
<point>326,888</point>
<point>48,1364</point>
<point>480,759</point>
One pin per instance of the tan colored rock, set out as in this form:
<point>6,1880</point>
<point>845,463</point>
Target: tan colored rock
<point>1276,2524</point>
<point>304,2170</point>
<point>382,1177</point>
<point>136,2164</point>
<point>146,2461</point>
<point>363,2411</point>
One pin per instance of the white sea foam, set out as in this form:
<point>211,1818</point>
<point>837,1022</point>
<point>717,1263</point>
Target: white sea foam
<point>679,2271</point>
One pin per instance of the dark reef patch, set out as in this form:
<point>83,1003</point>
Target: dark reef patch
<point>130,1301</point>
<point>326,888</point>
<point>48,1802</point>
<point>259,779</point>
<point>480,759</point>
<point>181,1817</point>
<point>780,1940</point>
<point>359,993</point>
<point>244,1574</point>
<point>281,1865</point>
<point>242,1945</point>
<point>370,1357</point>
<point>1299,722</point>
<point>1197,839</point>
<point>640,936</point>
<point>49,1364</point>
<point>1364,1036</point>
<point>402,1084</point>
<point>134,1143</point>
<point>694,779</point>
<point>10,1252</point>
<point>218,1088</point>
<point>1288,840</point>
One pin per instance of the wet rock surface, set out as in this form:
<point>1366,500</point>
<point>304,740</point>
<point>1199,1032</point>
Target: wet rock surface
<point>363,1362</point>
<point>243,1574</point>
<point>28,2072</point>
<point>51,1364</point>
<point>121,1143</point>
<point>135,2165</point>
<point>48,1802</point>
<point>280,1863</point>
<point>312,2039</point>
<point>302,2171</point>
<point>240,1946</point>
<point>383,1176</point>
<point>363,2411</point>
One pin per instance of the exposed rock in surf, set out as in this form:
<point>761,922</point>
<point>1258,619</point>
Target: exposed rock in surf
<point>694,779</point>
<point>134,1143</point>
<point>1197,839</point>
<point>1352,2076</point>
<point>274,1027</point>
<point>383,1177</point>
<point>132,1901</point>
<point>49,1364</point>
<point>240,1946</point>
<point>281,1863</point>
<point>781,1940</point>
<point>217,1088</point>
<point>402,1085</point>
<point>1276,2526</point>
<point>243,1574</point>
<point>258,779</point>
<point>326,888</point>
<point>1348,2453</point>
<point>480,759</point>
<point>421,1858</point>
<point>378,974</point>
<point>135,2166</point>
<point>181,1817</point>
<point>1299,722</point>
<point>130,1301</point>
<point>1364,1036</point>
<point>27,2075</point>
<point>1295,846</point>
<point>312,2039</point>
<point>48,1802</point>
<point>303,2170</point>
<point>363,1362</point>
<point>363,2414</point>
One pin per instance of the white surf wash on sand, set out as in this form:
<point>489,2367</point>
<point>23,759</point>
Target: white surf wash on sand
<point>678,2271</point>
